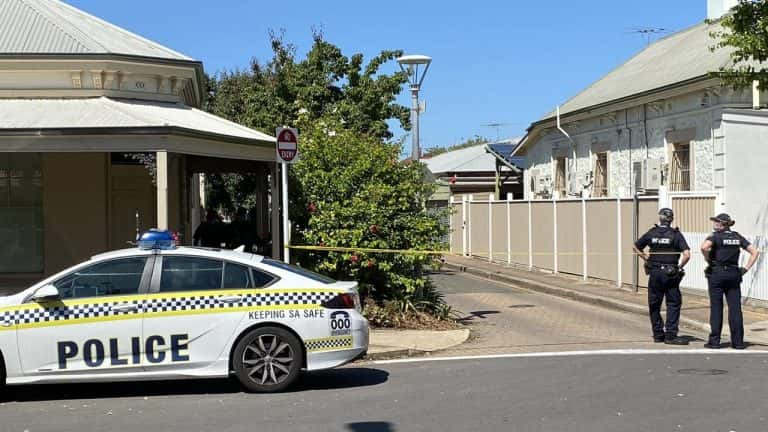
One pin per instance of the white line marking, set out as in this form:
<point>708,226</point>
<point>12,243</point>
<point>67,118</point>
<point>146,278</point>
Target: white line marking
<point>574,354</point>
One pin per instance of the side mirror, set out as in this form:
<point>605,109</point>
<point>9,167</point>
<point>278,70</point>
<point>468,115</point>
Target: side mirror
<point>46,294</point>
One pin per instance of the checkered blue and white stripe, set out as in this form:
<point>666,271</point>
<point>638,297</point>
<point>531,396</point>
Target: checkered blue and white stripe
<point>159,305</point>
<point>205,302</point>
<point>65,313</point>
<point>329,344</point>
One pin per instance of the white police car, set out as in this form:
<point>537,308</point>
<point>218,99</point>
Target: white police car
<point>161,312</point>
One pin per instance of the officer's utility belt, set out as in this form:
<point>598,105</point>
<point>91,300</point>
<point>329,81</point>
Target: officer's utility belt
<point>657,266</point>
<point>720,268</point>
<point>669,269</point>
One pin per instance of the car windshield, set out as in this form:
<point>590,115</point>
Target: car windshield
<point>299,271</point>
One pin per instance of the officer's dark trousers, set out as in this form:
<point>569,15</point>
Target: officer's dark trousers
<point>660,286</point>
<point>725,283</point>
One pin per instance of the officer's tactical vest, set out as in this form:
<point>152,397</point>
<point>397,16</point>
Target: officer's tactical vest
<point>663,244</point>
<point>726,247</point>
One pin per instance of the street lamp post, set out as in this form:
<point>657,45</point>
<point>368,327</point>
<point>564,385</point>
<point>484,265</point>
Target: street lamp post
<point>410,65</point>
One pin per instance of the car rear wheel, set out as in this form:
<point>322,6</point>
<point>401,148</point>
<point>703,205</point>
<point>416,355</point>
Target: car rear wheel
<point>267,359</point>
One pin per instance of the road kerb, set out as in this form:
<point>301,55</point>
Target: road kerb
<point>391,343</point>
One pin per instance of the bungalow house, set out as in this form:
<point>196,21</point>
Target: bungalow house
<point>659,124</point>
<point>478,170</point>
<point>101,136</point>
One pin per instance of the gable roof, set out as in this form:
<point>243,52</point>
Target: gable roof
<point>54,27</point>
<point>675,59</point>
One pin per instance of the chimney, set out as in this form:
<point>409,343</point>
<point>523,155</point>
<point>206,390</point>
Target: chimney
<point>718,8</point>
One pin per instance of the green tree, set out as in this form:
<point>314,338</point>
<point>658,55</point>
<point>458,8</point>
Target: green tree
<point>745,32</point>
<point>353,191</point>
<point>324,84</point>
<point>349,189</point>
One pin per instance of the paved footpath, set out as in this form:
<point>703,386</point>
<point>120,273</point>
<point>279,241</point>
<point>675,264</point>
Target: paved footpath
<point>506,319</point>
<point>695,313</point>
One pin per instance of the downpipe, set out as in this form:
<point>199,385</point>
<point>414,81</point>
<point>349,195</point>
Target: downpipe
<point>573,143</point>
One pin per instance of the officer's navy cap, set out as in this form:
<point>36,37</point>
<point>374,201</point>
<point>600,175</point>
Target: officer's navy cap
<point>723,218</point>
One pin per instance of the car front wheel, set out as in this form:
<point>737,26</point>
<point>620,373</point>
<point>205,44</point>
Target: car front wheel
<point>267,359</point>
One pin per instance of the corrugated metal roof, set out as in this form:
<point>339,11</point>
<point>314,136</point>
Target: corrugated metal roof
<point>674,59</point>
<point>105,112</point>
<point>470,159</point>
<point>54,27</point>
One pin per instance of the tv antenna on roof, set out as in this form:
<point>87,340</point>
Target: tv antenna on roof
<point>648,33</point>
<point>497,126</point>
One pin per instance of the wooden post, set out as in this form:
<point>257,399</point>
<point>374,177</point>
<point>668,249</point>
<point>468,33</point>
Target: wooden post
<point>161,180</point>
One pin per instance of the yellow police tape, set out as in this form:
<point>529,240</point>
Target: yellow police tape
<point>445,252</point>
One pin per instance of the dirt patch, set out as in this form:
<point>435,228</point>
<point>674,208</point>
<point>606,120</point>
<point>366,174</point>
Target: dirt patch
<point>389,317</point>
<point>414,321</point>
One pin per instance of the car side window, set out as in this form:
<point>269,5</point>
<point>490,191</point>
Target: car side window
<point>115,277</point>
<point>190,274</point>
<point>236,276</point>
<point>261,279</point>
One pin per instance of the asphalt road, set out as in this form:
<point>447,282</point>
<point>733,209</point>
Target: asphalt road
<point>668,392</point>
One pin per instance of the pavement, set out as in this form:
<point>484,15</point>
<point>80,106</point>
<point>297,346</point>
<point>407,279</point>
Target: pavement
<point>386,343</point>
<point>606,392</point>
<point>507,319</point>
<point>695,311</point>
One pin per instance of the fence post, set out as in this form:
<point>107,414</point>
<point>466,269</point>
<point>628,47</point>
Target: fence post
<point>619,253</point>
<point>491,197</point>
<point>469,225</point>
<point>635,217</point>
<point>509,229</point>
<point>450,224</point>
<point>464,227</point>
<point>584,247</point>
<point>530,235</point>
<point>554,226</point>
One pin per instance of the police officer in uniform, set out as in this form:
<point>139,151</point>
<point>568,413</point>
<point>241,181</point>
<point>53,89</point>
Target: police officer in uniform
<point>664,268</point>
<point>722,250</point>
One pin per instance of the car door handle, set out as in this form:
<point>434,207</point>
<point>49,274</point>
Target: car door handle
<point>127,307</point>
<point>229,299</point>
<point>6,324</point>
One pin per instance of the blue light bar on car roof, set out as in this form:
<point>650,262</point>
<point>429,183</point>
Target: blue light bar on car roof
<point>157,239</point>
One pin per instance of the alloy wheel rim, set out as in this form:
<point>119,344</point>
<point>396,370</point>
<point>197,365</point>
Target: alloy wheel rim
<point>268,360</point>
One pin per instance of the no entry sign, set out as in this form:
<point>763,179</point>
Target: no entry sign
<point>287,144</point>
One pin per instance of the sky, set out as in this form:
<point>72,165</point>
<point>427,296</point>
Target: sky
<point>505,61</point>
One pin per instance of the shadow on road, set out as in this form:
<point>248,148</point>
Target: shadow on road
<point>337,379</point>
<point>691,339</point>
<point>478,314</point>
<point>323,380</point>
<point>371,427</point>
